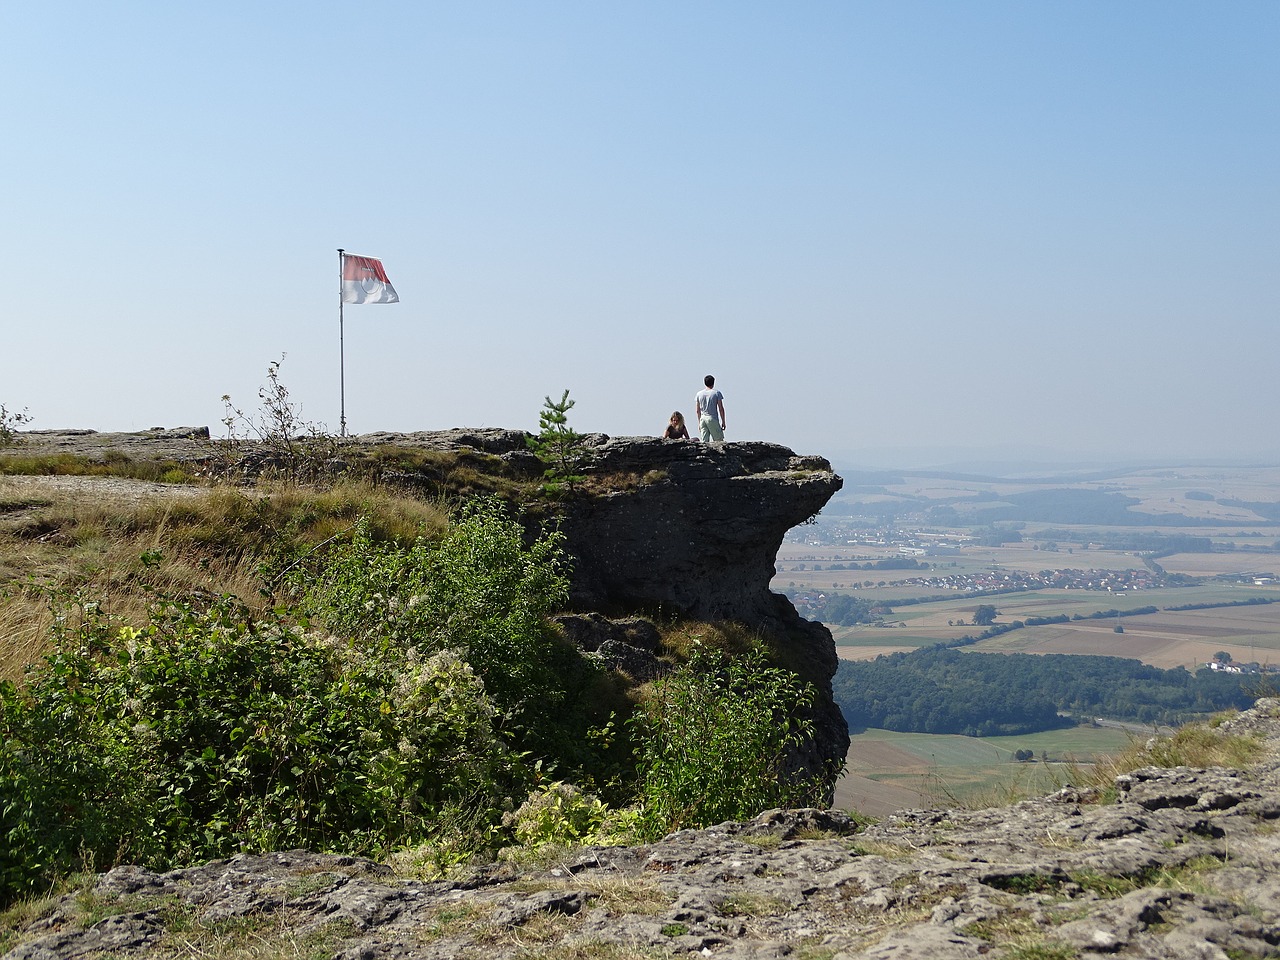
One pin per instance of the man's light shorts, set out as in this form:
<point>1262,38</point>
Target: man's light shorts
<point>709,429</point>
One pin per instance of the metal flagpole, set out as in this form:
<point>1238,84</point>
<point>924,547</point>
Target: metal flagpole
<point>342,376</point>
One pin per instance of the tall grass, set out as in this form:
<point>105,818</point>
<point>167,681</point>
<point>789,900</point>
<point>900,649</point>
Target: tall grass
<point>220,540</point>
<point>1194,745</point>
<point>24,633</point>
<point>112,464</point>
<point>1202,744</point>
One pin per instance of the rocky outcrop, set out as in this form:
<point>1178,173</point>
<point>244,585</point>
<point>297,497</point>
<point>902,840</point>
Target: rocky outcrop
<point>695,528</point>
<point>667,529</point>
<point>692,530</point>
<point>1183,866</point>
<point>680,529</point>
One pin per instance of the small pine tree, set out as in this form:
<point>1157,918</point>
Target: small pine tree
<point>558,446</point>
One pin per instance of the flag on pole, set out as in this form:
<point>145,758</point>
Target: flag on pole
<point>364,281</point>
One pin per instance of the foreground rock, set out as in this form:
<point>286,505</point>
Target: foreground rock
<point>1184,866</point>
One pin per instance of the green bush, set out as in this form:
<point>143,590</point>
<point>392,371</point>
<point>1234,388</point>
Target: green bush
<point>556,814</point>
<point>713,743</point>
<point>437,694</point>
<point>205,733</point>
<point>485,592</point>
<point>478,589</point>
<point>65,798</point>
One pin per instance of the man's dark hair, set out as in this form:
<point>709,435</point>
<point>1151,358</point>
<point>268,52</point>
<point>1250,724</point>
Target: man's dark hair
<point>709,380</point>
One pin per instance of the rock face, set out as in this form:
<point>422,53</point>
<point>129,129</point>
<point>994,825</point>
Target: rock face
<point>1183,866</point>
<point>677,528</point>
<point>695,534</point>
<point>698,535</point>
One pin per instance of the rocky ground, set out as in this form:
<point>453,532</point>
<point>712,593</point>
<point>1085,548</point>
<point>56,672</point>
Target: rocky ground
<point>1183,865</point>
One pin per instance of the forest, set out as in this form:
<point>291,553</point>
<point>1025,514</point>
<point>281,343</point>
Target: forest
<point>940,690</point>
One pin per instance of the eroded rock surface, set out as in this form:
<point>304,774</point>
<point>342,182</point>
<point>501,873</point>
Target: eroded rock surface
<point>1182,867</point>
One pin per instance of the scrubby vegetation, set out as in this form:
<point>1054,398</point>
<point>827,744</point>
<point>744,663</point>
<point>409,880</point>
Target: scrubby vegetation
<point>1205,744</point>
<point>712,741</point>
<point>10,422</point>
<point>346,670</point>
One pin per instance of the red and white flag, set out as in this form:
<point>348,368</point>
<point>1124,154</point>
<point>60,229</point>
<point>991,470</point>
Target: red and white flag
<point>364,281</point>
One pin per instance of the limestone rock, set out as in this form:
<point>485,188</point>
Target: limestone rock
<point>1061,876</point>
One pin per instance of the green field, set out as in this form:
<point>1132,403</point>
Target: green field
<point>888,770</point>
<point>1070,743</point>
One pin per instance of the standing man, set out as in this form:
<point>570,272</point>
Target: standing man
<point>710,411</point>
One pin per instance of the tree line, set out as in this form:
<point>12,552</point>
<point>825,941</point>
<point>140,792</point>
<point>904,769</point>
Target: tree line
<point>941,690</point>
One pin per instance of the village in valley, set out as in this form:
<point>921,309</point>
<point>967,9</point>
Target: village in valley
<point>1173,566</point>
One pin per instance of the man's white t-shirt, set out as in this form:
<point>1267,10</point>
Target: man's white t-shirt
<point>706,400</point>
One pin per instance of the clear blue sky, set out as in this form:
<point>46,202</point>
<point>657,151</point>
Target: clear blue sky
<point>892,228</point>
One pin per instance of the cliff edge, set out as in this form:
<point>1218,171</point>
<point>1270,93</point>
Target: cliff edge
<point>662,529</point>
<point>677,529</point>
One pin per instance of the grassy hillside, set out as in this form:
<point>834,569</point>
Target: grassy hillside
<point>190,670</point>
<point>122,546</point>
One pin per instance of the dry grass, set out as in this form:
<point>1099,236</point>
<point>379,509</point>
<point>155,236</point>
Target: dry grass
<point>596,950</point>
<point>681,638</point>
<point>112,464</point>
<point>257,936</point>
<point>122,553</point>
<point>1194,876</point>
<point>24,627</point>
<point>734,639</point>
<point>617,893</point>
<point>1021,937</point>
<point>1195,745</point>
<point>456,472</point>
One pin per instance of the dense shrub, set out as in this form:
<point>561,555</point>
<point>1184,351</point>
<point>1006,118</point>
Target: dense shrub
<point>478,589</point>
<point>206,733</point>
<point>557,814</point>
<point>713,743</point>
<point>485,592</point>
<point>434,699</point>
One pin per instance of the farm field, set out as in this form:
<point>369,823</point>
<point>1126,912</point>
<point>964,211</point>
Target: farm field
<point>972,561</point>
<point>1217,564</point>
<point>1064,516</point>
<point>1170,638</point>
<point>975,560</point>
<point>889,771</point>
<point>1187,638</point>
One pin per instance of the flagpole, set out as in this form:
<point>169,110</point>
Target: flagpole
<point>342,377</point>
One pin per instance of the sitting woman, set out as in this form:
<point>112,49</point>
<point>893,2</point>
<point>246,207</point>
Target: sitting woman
<point>676,429</point>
